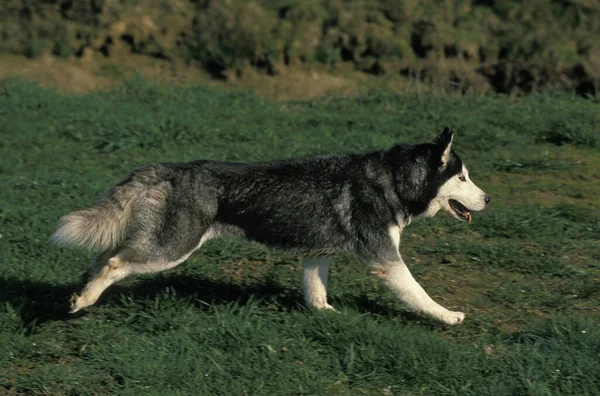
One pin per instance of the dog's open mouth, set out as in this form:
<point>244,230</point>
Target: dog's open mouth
<point>461,211</point>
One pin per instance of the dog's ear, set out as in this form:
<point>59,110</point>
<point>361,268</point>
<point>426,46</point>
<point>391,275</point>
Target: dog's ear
<point>444,142</point>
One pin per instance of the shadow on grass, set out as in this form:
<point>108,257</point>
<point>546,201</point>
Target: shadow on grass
<point>38,302</point>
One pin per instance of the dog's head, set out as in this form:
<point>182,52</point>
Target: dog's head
<point>456,193</point>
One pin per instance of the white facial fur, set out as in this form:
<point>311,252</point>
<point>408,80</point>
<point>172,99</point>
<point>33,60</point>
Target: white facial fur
<point>465,192</point>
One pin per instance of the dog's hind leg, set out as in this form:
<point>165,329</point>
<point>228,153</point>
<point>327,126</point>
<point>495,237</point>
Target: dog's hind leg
<point>106,270</point>
<point>314,280</point>
<point>112,266</point>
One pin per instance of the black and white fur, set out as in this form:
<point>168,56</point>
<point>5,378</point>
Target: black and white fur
<point>317,206</point>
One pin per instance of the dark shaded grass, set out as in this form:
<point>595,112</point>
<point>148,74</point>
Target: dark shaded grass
<point>232,320</point>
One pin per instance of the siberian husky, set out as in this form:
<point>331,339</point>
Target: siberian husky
<point>317,206</point>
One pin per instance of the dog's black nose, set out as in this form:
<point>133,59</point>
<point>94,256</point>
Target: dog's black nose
<point>487,199</point>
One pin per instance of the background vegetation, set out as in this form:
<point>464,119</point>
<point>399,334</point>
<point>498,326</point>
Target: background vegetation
<point>465,45</point>
<point>231,319</point>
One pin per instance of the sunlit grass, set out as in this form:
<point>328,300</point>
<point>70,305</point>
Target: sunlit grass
<point>231,320</point>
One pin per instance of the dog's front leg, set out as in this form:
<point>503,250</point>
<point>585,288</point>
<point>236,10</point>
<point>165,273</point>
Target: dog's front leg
<point>314,280</point>
<point>396,276</point>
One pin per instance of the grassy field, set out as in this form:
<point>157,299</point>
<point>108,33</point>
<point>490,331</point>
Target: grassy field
<point>231,319</point>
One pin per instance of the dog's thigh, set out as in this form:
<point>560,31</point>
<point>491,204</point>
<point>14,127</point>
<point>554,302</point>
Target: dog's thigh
<point>162,257</point>
<point>315,273</point>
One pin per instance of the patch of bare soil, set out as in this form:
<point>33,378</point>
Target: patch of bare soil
<point>94,72</point>
<point>74,76</point>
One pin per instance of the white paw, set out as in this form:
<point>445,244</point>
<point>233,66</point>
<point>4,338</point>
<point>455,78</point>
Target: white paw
<point>320,306</point>
<point>78,302</point>
<point>453,318</point>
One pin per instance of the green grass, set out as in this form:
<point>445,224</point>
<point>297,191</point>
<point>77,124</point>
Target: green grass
<point>231,319</point>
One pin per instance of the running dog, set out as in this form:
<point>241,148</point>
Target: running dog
<point>316,206</point>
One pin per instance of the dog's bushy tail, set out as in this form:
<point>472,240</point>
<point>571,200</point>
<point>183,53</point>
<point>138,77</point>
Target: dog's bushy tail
<point>105,226</point>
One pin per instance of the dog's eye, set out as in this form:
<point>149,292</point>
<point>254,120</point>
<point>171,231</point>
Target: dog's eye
<point>462,178</point>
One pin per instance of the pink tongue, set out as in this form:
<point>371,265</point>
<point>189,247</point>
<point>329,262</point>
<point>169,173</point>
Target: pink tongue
<point>469,216</point>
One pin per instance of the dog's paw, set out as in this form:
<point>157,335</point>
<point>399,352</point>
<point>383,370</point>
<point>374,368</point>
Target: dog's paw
<point>321,306</point>
<point>328,307</point>
<point>324,307</point>
<point>453,318</point>
<point>318,302</point>
<point>77,303</point>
